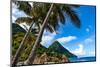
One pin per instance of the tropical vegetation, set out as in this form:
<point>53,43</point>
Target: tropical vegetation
<point>44,16</point>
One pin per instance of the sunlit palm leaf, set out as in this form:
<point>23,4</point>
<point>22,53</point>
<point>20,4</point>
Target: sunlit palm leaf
<point>26,20</point>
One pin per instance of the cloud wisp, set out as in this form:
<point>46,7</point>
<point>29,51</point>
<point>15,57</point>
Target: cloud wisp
<point>66,39</point>
<point>85,48</point>
<point>79,51</point>
<point>48,38</point>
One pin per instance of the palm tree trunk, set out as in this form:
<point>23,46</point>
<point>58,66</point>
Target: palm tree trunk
<point>15,59</point>
<point>37,42</point>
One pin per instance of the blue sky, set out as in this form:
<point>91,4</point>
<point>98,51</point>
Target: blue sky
<point>80,41</point>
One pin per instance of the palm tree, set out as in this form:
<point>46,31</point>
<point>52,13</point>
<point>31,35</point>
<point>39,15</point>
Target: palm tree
<point>25,6</point>
<point>53,13</point>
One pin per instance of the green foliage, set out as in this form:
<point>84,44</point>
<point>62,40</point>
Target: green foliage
<point>25,6</point>
<point>17,38</point>
<point>26,52</point>
<point>38,11</point>
<point>55,50</point>
<point>24,19</point>
<point>41,50</point>
<point>52,51</point>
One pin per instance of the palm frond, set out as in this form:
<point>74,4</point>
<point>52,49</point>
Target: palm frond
<point>53,20</point>
<point>73,16</point>
<point>60,14</point>
<point>50,28</point>
<point>24,6</point>
<point>26,20</point>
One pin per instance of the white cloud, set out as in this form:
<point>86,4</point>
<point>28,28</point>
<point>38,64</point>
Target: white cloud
<point>13,19</point>
<point>88,40</point>
<point>66,39</point>
<point>90,45</point>
<point>16,13</point>
<point>85,48</point>
<point>31,4</point>
<point>79,51</point>
<point>48,38</point>
<point>14,6</point>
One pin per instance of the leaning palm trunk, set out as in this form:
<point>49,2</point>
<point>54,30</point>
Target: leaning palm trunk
<point>15,59</point>
<point>37,42</point>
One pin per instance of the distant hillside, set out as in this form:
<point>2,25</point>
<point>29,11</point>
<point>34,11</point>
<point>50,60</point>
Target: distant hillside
<point>57,47</point>
<point>16,28</point>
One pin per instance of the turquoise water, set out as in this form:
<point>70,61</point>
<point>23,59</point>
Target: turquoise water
<point>82,59</point>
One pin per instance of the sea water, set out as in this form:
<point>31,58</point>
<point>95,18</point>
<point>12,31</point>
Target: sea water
<point>82,59</point>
